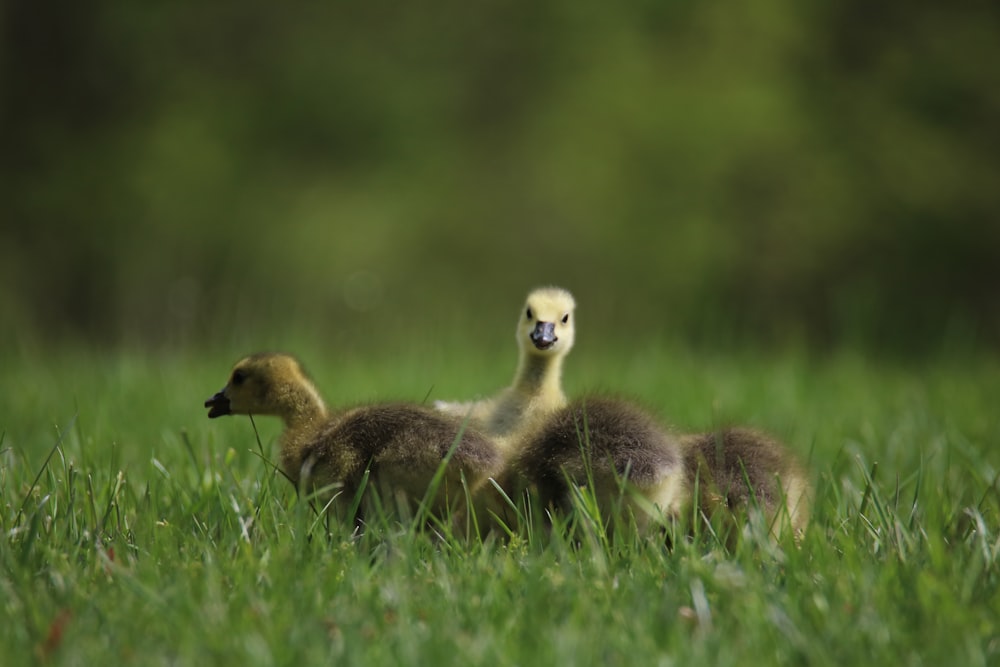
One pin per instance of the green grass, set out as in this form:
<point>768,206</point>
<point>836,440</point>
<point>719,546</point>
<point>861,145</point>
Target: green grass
<point>133,530</point>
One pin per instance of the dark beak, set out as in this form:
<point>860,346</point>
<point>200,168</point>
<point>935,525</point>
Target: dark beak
<point>544,335</point>
<point>218,406</point>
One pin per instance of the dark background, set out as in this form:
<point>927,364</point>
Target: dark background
<point>821,172</point>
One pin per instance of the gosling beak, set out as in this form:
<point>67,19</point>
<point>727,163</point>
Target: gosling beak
<point>544,335</point>
<point>218,406</point>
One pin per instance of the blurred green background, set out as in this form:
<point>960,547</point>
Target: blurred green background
<point>822,172</point>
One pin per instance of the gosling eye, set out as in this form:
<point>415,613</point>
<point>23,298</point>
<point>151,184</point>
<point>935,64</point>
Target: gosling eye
<point>529,313</point>
<point>239,376</point>
<point>565,319</point>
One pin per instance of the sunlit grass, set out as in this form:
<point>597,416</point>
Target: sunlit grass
<point>135,531</point>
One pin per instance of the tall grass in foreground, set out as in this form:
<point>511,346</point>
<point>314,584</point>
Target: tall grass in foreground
<point>126,538</point>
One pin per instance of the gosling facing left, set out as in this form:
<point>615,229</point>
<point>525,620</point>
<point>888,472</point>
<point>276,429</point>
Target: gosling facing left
<point>402,446</point>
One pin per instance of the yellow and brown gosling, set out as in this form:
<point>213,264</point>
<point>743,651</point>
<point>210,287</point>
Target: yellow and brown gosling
<point>545,335</point>
<point>740,471</point>
<point>402,446</point>
<point>634,464</point>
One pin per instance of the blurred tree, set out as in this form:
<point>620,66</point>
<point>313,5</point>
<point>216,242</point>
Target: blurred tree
<point>781,170</point>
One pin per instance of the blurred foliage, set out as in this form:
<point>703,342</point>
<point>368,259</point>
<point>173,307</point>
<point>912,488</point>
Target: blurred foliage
<point>823,171</point>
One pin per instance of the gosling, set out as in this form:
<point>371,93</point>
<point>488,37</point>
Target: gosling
<point>633,463</point>
<point>400,447</point>
<point>741,471</point>
<point>545,334</point>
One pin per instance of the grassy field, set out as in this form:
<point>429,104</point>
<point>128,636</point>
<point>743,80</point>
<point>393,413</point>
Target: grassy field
<point>135,531</point>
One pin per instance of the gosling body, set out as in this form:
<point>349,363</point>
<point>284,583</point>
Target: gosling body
<point>631,461</point>
<point>398,447</point>
<point>741,470</point>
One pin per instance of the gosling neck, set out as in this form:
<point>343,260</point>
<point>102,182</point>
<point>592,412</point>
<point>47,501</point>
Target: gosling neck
<point>303,411</point>
<point>539,374</point>
<point>301,406</point>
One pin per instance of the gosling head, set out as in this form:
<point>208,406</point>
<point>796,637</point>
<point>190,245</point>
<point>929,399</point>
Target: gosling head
<point>266,384</point>
<point>546,325</point>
